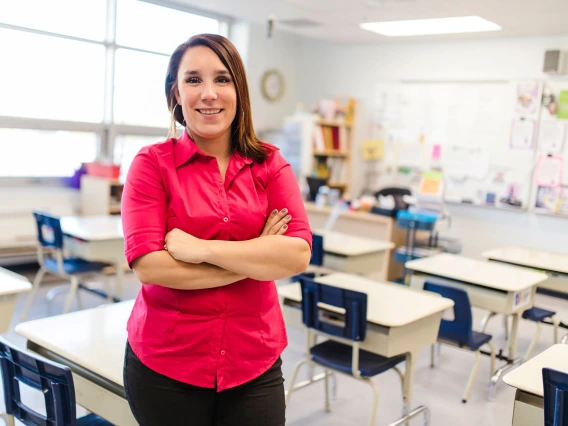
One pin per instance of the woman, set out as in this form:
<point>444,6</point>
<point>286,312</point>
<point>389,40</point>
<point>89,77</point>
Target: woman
<point>204,218</point>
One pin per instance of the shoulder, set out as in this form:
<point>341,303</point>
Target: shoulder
<point>158,148</point>
<point>274,160</point>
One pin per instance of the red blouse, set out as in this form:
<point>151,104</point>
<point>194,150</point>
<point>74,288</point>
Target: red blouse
<point>224,336</point>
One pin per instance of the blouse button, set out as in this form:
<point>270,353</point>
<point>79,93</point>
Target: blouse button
<point>222,352</point>
<point>225,219</point>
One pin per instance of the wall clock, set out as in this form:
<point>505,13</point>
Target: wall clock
<point>273,85</point>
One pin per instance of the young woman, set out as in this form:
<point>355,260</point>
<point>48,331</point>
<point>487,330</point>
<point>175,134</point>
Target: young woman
<point>210,221</point>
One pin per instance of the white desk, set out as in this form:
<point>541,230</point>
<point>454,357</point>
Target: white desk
<point>528,408</point>
<point>92,343</point>
<point>98,238</point>
<point>498,288</point>
<point>554,264</point>
<point>356,255</point>
<point>11,285</point>
<point>400,320</point>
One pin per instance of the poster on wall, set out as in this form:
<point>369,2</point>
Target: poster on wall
<point>551,136</point>
<point>522,133</point>
<point>549,170</point>
<point>527,99</point>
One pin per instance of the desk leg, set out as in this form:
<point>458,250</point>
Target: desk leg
<point>119,278</point>
<point>408,383</point>
<point>514,335</point>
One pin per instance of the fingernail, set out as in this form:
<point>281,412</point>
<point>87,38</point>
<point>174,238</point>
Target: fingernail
<point>284,210</point>
<point>274,211</point>
<point>288,217</point>
<point>285,227</point>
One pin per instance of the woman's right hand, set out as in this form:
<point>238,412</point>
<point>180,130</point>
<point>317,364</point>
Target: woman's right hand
<point>277,223</point>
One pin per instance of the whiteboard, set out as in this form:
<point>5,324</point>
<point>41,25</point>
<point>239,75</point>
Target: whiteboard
<point>482,135</point>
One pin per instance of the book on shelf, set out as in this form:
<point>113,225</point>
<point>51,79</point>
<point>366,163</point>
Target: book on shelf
<point>329,139</point>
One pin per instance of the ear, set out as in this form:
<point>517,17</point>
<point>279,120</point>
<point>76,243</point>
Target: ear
<point>176,95</point>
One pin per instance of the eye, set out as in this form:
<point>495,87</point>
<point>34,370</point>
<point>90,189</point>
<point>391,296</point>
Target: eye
<point>192,80</point>
<point>224,80</point>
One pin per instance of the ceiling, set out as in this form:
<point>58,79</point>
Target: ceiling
<point>338,20</point>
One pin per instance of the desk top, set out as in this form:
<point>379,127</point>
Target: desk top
<point>356,215</point>
<point>350,245</point>
<point>94,339</point>
<point>12,283</point>
<point>539,259</point>
<point>388,304</point>
<point>487,274</point>
<point>528,376</point>
<point>93,228</point>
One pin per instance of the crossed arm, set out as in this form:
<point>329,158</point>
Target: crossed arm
<point>191,263</point>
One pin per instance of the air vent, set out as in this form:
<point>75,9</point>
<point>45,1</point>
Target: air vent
<point>298,23</point>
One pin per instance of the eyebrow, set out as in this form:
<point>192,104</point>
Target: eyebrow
<point>218,72</point>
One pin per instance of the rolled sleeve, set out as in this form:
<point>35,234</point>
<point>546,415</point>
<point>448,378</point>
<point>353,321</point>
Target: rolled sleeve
<point>144,207</point>
<point>283,192</point>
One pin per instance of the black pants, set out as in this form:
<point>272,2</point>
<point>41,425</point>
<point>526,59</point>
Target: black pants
<point>157,400</point>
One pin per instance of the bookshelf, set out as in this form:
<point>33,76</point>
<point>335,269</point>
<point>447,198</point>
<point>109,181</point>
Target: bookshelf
<point>100,196</point>
<point>332,146</point>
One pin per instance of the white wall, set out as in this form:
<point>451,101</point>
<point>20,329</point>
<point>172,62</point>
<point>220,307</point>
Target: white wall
<point>347,70</point>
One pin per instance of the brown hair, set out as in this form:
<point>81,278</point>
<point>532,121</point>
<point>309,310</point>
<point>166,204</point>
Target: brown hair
<point>243,138</point>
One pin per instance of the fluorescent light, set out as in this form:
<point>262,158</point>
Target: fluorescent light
<point>462,24</point>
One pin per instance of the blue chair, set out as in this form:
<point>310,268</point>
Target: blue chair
<point>539,315</point>
<point>51,259</point>
<point>341,352</point>
<point>555,386</point>
<point>458,332</point>
<point>53,380</point>
<point>316,261</point>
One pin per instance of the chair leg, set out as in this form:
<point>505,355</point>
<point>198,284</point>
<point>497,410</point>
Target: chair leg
<point>71,295</point>
<point>37,281</point>
<point>333,386</point>
<point>375,401</point>
<point>485,321</point>
<point>564,340</point>
<point>326,381</point>
<point>506,326</point>
<point>433,356</point>
<point>293,379</point>
<point>556,324</point>
<point>79,300</point>
<point>8,419</point>
<point>472,377</point>
<point>533,343</point>
<point>491,360</point>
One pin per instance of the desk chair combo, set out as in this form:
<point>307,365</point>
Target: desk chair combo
<point>458,332</point>
<point>341,351</point>
<point>54,381</point>
<point>52,259</point>
<point>555,392</point>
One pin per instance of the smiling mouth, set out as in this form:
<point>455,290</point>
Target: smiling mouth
<point>209,111</point>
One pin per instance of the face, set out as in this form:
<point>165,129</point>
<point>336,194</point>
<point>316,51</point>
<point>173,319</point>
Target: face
<point>207,94</point>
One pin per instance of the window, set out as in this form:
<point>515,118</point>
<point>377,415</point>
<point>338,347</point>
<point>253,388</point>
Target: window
<point>139,97</point>
<point>84,18</point>
<point>159,29</point>
<point>127,146</point>
<point>44,153</point>
<point>50,77</point>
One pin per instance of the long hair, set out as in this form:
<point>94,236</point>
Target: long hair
<point>243,137</point>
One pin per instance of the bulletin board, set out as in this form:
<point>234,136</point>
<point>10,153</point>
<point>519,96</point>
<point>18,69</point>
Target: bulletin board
<point>481,135</point>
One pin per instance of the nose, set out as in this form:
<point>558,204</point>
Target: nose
<point>208,92</point>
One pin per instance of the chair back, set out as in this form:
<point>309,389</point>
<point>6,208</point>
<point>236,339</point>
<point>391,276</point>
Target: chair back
<point>555,386</point>
<point>459,329</point>
<point>354,303</point>
<point>317,250</point>
<point>49,230</point>
<point>54,381</point>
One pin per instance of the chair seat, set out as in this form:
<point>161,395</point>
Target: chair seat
<point>338,356</point>
<point>477,340</point>
<point>537,314</point>
<point>75,265</point>
<point>92,420</point>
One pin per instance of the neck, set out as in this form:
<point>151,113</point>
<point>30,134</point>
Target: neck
<point>219,147</point>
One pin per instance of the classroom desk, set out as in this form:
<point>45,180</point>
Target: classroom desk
<point>528,407</point>
<point>500,289</point>
<point>11,285</point>
<point>97,238</point>
<point>355,255</point>
<point>554,264</point>
<point>92,343</point>
<point>366,225</point>
<point>400,320</point>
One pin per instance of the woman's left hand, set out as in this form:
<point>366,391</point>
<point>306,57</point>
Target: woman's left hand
<point>185,247</point>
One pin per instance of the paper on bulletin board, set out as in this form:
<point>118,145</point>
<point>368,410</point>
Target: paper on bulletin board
<point>551,136</point>
<point>462,162</point>
<point>373,149</point>
<point>522,134</point>
<point>549,170</point>
<point>431,184</point>
<point>563,105</point>
<point>528,97</point>
<point>410,155</point>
